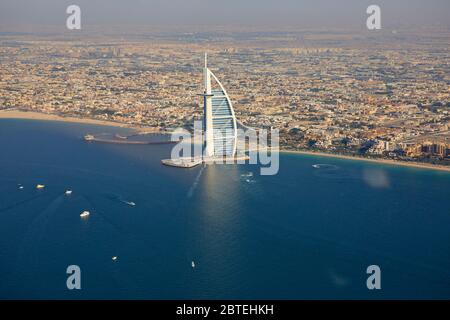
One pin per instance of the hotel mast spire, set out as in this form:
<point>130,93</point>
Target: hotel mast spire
<point>207,112</point>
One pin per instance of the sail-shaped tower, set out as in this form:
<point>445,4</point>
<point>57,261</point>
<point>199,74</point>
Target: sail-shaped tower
<point>219,120</point>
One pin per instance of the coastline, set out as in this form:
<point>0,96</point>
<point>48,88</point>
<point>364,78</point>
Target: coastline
<point>379,161</point>
<point>31,115</point>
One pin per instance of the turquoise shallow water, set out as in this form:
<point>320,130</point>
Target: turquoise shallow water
<point>304,233</point>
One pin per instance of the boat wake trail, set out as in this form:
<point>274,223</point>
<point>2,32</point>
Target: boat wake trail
<point>195,184</point>
<point>130,203</point>
<point>19,203</point>
<point>325,166</point>
<point>331,171</point>
<point>115,197</point>
<point>28,253</point>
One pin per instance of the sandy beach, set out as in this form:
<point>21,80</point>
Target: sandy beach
<point>383,161</point>
<point>15,114</point>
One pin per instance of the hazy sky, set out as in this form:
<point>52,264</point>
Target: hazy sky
<point>260,13</point>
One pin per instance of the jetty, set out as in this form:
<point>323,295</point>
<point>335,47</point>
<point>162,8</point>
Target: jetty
<point>124,140</point>
<point>182,162</point>
<point>191,162</point>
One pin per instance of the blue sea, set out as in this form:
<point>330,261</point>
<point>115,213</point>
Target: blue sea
<point>309,232</point>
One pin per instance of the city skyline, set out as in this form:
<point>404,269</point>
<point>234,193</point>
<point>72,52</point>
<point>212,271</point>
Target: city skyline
<point>384,96</point>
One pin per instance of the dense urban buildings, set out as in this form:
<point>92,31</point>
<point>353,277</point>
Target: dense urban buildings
<point>378,95</point>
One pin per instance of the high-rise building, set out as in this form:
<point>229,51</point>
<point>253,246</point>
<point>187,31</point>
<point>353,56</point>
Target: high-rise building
<point>219,126</point>
<point>219,121</point>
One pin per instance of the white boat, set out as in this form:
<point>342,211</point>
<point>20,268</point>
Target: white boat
<point>89,137</point>
<point>85,214</point>
<point>20,187</point>
<point>40,186</point>
<point>68,192</point>
<point>193,264</point>
<point>130,203</point>
<point>114,258</point>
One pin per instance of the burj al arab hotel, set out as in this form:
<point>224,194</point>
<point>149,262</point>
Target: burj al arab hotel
<point>219,125</point>
<point>219,120</point>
